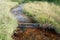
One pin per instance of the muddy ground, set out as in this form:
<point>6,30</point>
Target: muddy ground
<point>35,34</point>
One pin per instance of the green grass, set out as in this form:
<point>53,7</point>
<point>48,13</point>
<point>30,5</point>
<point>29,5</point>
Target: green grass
<point>44,12</point>
<point>5,0</point>
<point>8,22</point>
<point>24,1</point>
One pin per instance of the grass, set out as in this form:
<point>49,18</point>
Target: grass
<point>8,22</point>
<point>44,12</point>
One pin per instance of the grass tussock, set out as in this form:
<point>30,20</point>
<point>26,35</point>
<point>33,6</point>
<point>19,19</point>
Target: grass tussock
<point>44,12</point>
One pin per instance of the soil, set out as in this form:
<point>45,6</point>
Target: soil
<point>35,34</point>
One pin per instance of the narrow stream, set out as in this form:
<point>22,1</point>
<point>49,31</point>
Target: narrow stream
<point>22,18</point>
<point>18,12</point>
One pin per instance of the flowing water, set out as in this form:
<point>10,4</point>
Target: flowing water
<point>18,12</point>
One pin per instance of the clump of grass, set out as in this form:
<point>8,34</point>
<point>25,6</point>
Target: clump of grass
<point>44,12</point>
<point>8,22</point>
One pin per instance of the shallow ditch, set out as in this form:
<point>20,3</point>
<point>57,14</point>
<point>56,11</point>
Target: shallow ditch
<point>30,33</point>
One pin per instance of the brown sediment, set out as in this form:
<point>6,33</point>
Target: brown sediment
<point>35,34</point>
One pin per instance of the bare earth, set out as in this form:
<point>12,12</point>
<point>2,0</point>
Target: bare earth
<point>35,34</point>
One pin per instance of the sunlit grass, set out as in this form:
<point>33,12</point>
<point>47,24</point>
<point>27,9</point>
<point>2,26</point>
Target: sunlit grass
<point>8,22</point>
<point>44,12</point>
